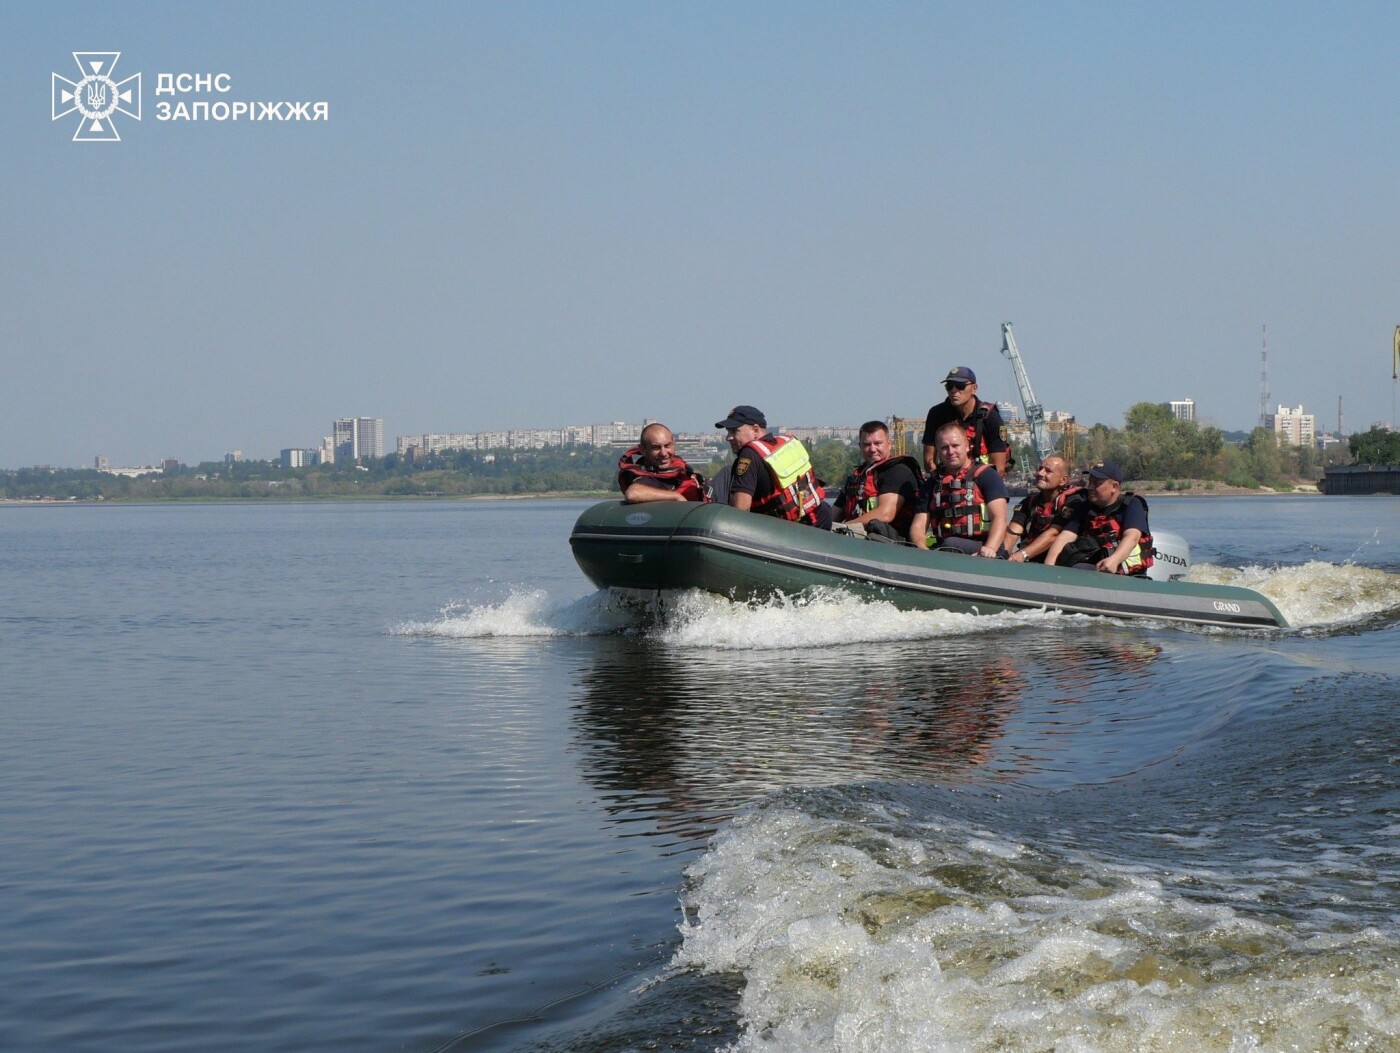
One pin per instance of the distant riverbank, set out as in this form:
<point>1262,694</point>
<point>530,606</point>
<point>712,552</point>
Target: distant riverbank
<point>1211,488</point>
<point>286,499</point>
<point>1147,488</point>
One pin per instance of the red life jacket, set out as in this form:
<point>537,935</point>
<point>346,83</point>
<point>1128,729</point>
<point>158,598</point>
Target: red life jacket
<point>976,426</point>
<point>1105,526</point>
<point>861,492</point>
<point>976,440</point>
<point>679,477</point>
<point>957,506</point>
<point>1043,513</point>
<point>796,493</point>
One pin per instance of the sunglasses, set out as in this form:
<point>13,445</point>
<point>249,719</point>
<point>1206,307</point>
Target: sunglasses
<point>952,386</point>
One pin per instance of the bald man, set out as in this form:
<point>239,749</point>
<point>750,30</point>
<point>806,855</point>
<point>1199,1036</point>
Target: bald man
<point>651,471</point>
<point>1044,512</point>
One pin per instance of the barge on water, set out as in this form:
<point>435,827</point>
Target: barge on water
<point>1361,479</point>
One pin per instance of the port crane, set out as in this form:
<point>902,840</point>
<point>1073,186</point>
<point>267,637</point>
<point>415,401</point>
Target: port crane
<point>904,429</point>
<point>903,433</point>
<point>1035,412</point>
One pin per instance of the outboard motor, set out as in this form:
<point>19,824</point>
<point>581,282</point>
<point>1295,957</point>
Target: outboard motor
<point>1171,556</point>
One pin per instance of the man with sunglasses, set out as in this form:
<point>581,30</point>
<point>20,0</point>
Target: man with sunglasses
<point>986,432</point>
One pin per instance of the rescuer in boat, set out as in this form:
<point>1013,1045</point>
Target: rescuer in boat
<point>772,474</point>
<point>1054,504</point>
<point>1115,521</point>
<point>986,433</point>
<point>651,471</point>
<point>962,506</point>
<point>878,497</point>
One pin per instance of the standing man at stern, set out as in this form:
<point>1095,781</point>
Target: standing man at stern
<point>771,474</point>
<point>981,421</point>
<point>651,471</point>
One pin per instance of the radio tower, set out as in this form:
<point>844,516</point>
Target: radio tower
<point>1264,380</point>
<point>1339,415</point>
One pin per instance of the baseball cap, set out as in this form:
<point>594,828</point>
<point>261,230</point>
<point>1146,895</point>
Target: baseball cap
<point>960,375</point>
<point>1106,470</point>
<point>743,415</point>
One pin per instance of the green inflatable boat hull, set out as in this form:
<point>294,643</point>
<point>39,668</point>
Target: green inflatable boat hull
<point>667,546</point>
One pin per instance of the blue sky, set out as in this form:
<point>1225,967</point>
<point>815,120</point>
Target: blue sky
<point>529,214</point>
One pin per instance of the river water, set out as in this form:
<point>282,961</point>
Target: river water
<point>392,776</point>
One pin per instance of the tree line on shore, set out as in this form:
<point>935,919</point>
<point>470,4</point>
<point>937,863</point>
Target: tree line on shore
<point>1152,445</point>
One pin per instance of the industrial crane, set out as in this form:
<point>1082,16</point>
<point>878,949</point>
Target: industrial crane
<point>1035,413</point>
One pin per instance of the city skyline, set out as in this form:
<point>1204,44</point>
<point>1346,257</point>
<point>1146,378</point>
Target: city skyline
<point>1185,408</point>
<point>518,213</point>
<point>1290,424</point>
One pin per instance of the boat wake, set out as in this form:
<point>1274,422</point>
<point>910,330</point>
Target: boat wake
<point>1315,594</point>
<point>857,926</point>
<point>822,618</point>
<point>528,613</point>
<point>1235,893</point>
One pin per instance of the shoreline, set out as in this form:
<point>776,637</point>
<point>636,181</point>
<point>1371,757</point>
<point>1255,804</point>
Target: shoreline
<point>1194,488</point>
<point>546,495</point>
<point>1199,488</point>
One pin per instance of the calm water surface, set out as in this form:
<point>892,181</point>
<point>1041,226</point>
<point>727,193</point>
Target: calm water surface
<point>391,776</point>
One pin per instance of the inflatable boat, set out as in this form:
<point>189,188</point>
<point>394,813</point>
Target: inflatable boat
<point>660,547</point>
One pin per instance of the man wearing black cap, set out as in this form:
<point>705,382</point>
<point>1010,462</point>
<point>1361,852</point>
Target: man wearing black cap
<point>1116,520</point>
<point>771,474</point>
<point>986,433</point>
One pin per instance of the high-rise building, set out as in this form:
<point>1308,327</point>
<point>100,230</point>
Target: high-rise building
<point>369,437</point>
<point>343,440</point>
<point>1292,427</point>
<point>1183,409</point>
<point>357,438</point>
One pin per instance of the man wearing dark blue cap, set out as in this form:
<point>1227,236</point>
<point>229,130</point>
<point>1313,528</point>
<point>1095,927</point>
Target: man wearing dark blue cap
<point>1115,520</point>
<point>772,474</point>
<point>986,432</point>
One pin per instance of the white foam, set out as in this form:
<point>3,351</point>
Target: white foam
<point>528,613</point>
<point>820,619</point>
<point>1314,593</point>
<point>699,619</point>
<point>851,939</point>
